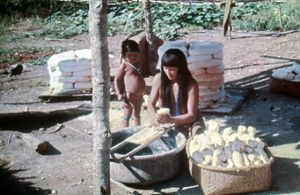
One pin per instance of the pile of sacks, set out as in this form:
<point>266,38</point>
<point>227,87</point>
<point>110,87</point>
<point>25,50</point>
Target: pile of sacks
<point>205,61</point>
<point>70,72</point>
<point>291,73</point>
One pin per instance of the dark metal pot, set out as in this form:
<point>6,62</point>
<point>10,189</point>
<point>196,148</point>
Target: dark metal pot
<point>160,161</point>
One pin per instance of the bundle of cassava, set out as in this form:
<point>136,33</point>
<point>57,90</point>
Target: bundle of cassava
<point>228,148</point>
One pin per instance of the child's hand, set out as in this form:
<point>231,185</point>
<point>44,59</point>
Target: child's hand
<point>120,97</point>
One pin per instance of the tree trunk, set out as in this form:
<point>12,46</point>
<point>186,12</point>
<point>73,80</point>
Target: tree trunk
<point>101,87</point>
<point>150,37</point>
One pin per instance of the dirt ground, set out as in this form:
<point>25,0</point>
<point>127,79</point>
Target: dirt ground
<point>66,168</point>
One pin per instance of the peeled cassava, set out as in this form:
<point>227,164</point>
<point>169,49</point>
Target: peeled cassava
<point>228,148</point>
<point>163,111</point>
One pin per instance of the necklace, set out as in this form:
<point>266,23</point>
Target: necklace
<point>136,68</point>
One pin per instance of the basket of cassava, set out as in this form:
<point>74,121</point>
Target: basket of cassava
<point>229,162</point>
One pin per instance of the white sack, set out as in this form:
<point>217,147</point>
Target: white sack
<point>54,84</point>
<point>63,59</point>
<point>205,64</point>
<point>74,68</point>
<point>218,55</point>
<point>86,72</point>
<point>217,84</point>
<point>216,69</point>
<point>71,79</point>
<point>196,58</point>
<point>204,85</point>
<point>198,71</point>
<point>83,85</point>
<point>84,56</point>
<point>209,77</point>
<point>58,73</point>
<point>204,104</point>
<point>204,47</point>
<point>283,75</point>
<point>206,92</point>
<point>207,98</point>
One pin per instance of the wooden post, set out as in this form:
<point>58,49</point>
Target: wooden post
<point>226,21</point>
<point>101,88</point>
<point>280,21</point>
<point>149,37</point>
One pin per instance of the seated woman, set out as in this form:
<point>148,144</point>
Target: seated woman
<point>176,89</point>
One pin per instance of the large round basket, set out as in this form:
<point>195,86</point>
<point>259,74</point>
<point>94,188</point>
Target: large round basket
<point>231,180</point>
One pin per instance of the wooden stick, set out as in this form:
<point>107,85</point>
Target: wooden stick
<point>60,126</point>
<point>9,138</point>
<point>75,130</point>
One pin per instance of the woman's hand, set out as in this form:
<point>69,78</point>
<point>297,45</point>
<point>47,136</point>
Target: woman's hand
<point>162,118</point>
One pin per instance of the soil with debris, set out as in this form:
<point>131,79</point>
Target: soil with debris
<point>66,167</point>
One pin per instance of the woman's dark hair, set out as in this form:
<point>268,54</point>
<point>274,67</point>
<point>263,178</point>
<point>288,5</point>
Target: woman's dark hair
<point>129,46</point>
<point>175,58</point>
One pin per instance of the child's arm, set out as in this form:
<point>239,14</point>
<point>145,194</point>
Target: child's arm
<point>118,78</point>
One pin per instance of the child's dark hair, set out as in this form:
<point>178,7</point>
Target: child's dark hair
<point>129,46</point>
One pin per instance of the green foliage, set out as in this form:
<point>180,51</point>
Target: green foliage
<point>264,16</point>
<point>26,55</point>
<point>169,20</point>
<point>40,83</point>
<point>166,24</point>
<point>64,24</point>
<point>35,62</point>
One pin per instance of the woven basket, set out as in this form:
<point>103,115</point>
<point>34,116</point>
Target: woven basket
<point>232,180</point>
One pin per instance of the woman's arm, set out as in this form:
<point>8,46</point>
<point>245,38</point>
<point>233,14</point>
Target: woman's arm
<point>154,95</point>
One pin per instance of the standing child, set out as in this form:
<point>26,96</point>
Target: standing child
<point>135,85</point>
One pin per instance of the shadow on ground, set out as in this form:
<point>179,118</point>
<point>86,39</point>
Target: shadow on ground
<point>12,185</point>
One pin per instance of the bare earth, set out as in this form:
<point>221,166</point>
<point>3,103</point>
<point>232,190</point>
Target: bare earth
<point>67,168</point>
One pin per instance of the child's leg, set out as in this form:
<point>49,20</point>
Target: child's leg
<point>127,114</point>
<point>137,111</point>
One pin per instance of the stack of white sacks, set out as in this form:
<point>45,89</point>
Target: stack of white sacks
<point>205,61</point>
<point>291,73</point>
<point>70,72</point>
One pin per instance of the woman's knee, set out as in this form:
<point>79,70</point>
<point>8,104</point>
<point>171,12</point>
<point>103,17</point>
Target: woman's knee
<point>197,129</point>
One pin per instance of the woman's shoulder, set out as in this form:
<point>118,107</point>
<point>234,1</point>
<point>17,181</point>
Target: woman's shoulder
<point>157,77</point>
<point>192,83</point>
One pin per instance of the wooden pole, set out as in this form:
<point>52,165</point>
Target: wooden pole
<point>226,21</point>
<point>150,37</point>
<point>101,88</point>
<point>280,21</point>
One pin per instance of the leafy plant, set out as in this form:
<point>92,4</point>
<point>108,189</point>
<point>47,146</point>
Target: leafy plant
<point>168,25</point>
<point>35,62</point>
<point>40,83</point>
<point>26,55</point>
<point>263,16</point>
